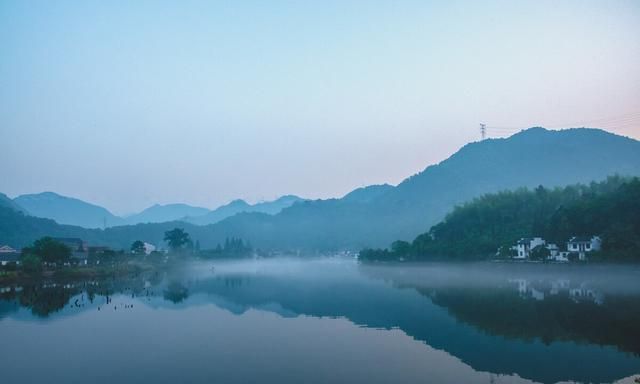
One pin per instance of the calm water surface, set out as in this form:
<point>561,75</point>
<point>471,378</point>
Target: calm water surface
<point>326,321</point>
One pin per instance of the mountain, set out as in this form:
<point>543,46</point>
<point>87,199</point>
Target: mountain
<point>67,210</point>
<point>19,230</point>
<point>241,206</point>
<point>169,212</point>
<point>6,202</point>
<point>478,228</point>
<point>276,206</point>
<point>71,211</point>
<point>367,194</point>
<point>530,158</point>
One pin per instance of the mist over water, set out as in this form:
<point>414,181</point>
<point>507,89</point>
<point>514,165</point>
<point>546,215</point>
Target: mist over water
<point>289,320</point>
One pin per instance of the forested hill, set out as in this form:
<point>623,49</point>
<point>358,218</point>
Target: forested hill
<point>533,157</point>
<point>477,229</point>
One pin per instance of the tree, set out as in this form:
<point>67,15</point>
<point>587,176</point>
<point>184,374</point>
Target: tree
<point>48,250</point>
<point>540,252</point>
<point>138,247</point>
<point>176,292</point>
<point>401,248</point>
<point>177,238</point>
<point>506,252</point>
<point>477,228</point>
<point>31,263</point>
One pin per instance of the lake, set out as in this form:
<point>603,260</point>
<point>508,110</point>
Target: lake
<point>327,320</point>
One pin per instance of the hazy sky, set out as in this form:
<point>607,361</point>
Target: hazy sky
<point>129,103</point>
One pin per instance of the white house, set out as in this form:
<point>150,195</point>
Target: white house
<point>525,245</point>
<point>555,254</point>
<point>583,245</point>
<point>148,248</point>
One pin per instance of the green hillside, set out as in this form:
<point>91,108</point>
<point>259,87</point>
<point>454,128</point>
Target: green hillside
<point>477,229</point>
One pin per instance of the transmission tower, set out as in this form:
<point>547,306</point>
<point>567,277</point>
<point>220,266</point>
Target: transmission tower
<point>483,130</point>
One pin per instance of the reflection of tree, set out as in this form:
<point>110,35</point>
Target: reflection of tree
<point>46,298</point>
<point>501,311</point>
<point>44,301</point>
<point>176,292</point>
<point>233,281</point>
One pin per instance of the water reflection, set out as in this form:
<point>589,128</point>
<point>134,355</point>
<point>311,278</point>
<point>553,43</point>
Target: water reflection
<point>543,323</point>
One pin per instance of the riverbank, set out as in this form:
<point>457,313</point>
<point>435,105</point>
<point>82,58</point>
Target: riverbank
<point>69,273</point>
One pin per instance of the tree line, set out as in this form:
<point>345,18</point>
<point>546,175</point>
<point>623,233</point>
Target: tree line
<point>477,229</point>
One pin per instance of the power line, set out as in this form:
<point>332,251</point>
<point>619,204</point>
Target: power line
<point>624,121</point>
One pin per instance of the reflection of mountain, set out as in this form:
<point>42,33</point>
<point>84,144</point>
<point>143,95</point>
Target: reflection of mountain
<point>377,305</point>
<point>503,312</point>
<point>488,324</point>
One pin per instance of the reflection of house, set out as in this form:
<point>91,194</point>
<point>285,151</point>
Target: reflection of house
<point>583,293</point>
<point>583,245</point>
<point>559,285</point>
<point>525,245</point>
<point>577,293</point>
<point>8,255</point>
<point>525,289</point>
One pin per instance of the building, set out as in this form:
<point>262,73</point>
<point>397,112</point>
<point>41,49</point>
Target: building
<point>7,249</point>
<point>555,254</point>
<point>8,255</point>
<point>561,256</point>
<point>525,245</point>
<point>582,245</point>
<point>148,248</point>
<point>577,247</point>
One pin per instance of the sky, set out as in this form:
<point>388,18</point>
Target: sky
<point>130,103</point>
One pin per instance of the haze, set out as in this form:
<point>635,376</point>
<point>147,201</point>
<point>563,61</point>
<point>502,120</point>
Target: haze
<point>126,104</point>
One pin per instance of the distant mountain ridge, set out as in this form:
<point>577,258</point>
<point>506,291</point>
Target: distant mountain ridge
<point>169,212</point>
<point>530,158</point>
<point>367,194</point>
<point>6,202</point>
<point>240,206</point>
<point>67,210</point>
<point>72,211</point>
<point>377,215</point>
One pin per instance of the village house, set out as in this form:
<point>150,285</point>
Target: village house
<point>583,245</point>
<point>525,245</point>
<point>8,255</point>
<point>576,246</point>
